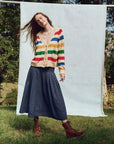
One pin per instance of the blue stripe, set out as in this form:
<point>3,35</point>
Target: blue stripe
<point>57,39</point>
<point>61,38</point>
<point>61,64</point>
<point>38,42</point>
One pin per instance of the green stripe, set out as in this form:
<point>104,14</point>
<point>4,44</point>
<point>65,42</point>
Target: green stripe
<point>52,51</point>
<point>60,51</point>
<point>40,53</point>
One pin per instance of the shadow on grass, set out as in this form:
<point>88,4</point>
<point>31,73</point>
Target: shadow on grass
<point>27,124</point>
<point>10,107</point>
<point>13,108</point>
<point>109,110</point>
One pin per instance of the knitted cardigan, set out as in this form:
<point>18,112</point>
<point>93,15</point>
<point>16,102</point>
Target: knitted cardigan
<point>50,54</point>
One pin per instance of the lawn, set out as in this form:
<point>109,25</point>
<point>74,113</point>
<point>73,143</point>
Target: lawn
<point>19,129</point>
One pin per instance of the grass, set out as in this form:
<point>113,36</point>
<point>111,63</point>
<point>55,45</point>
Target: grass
<point>19,129</point>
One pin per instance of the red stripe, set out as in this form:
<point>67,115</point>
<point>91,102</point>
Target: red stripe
<point>52,59</point>
<point>61,58</point>
<point>37,37</point>
<point>37,59</point>
<point>58,32</point>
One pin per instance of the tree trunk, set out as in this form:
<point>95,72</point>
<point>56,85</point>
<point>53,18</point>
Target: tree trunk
<point>0,90</point>
<point>105,95</point>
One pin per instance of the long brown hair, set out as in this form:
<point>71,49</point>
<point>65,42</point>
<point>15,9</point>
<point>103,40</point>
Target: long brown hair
<point>33,28</point>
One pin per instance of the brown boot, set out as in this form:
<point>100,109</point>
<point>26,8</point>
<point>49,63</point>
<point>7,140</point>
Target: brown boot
<point>70,132</point>
<point>36,130</point>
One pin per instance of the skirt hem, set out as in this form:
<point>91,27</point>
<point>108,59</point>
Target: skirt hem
<point>44,114</point>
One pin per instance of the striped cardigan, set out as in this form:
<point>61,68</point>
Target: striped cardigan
<point>50,54</point>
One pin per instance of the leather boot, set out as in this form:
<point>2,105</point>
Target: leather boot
<point>70,132</point>
<point>36,130</point>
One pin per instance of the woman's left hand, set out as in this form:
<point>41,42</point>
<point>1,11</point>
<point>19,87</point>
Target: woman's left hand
<point>62,76</point>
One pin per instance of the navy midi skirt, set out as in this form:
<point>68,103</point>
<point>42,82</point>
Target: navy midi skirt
<point>42,95</point>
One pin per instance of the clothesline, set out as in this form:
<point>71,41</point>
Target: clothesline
<point>14,2</point>
<point>18,2</point>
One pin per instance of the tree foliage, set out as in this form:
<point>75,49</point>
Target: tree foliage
<point>9,43</point>
<point>11,98</point>
<point>109,55</point>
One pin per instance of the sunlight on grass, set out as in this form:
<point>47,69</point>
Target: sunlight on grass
<point>19,129</point>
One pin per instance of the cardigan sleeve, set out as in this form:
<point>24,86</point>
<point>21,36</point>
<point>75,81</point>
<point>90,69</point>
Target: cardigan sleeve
<point>61,53</point>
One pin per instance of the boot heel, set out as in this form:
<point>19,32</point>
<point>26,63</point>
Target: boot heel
<point>68,136</point>
<point>70,132</point>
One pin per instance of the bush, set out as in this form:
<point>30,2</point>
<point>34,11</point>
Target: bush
<point>110,96</point>
<point>11,98</point>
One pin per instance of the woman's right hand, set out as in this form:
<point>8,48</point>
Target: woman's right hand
<point>62,76</point>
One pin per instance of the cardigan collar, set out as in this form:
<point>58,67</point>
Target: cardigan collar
<point>41,39</point>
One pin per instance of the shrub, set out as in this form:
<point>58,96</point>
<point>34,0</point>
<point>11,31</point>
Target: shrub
<point>11,98</point>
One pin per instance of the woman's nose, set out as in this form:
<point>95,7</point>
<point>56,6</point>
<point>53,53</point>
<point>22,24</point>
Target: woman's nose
<point>41,21</point>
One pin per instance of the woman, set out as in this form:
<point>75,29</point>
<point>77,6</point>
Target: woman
<point>42,93</point>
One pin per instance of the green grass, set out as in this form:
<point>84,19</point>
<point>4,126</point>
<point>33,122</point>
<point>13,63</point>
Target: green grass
<point>19,129</point>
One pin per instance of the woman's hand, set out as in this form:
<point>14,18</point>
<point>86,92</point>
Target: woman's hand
<point>62,76</point>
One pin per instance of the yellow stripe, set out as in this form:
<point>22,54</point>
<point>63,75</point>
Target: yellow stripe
<point>63,68</point>
<point>40,46</point>
<point>61,45</point>
<point>53,45</point>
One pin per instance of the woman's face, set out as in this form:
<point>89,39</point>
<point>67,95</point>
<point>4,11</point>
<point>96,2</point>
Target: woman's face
<point>41,20</point>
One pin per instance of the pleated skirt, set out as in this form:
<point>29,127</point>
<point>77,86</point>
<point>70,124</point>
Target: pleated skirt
<point>42,95</point>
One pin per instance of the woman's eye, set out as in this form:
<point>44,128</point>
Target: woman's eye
<point>40,18</point>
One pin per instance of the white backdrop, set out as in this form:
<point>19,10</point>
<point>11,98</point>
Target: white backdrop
<point>84,32</point>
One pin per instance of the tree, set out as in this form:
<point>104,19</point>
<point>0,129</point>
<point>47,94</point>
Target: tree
<point>9,48</point>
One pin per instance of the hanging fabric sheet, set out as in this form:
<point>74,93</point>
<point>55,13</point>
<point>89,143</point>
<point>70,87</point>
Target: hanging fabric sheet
<point>84,35</point>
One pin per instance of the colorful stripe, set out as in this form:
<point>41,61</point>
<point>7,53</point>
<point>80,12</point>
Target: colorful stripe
<point>61,38</point>
<point>60,45</point>
<point>37,37</point>
<point>61,58</point>
<point>58,32</point>
<point>52,52</point>
<point>55,39</point>
<point>53,45</point>
<point>52,59</point>
<point>62,63</point>
<point>38,59</point>
<point>40,47</point>
<point>49,52</point>
<point>40,53</point>
<point>38,42</point>
<point>61,68</point>
<point>60,51</point>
